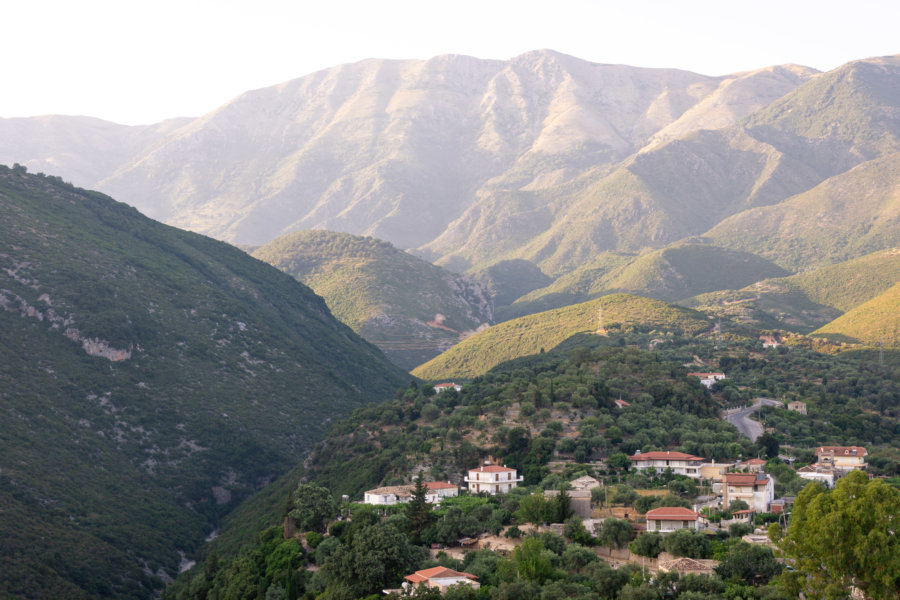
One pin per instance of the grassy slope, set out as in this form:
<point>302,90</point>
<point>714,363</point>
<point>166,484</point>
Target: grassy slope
<point>528,335</point>
<point>386,295</point>
<point>235,371</point>
<point>873,322</point>
<point>669,274</point>
<point>847,216</point>
<point>808,300</point>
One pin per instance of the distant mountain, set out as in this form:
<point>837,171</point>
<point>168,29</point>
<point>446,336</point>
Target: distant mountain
<point>847,216</point>
<point>806,301</point>
<point>409,308</point>
<point>82,149</point>
<point>543,331</point>
<point>150,379</point>
<point>565,168</point>
<point>874,322</point>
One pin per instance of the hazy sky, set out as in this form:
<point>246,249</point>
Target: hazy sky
<point>140,61</point>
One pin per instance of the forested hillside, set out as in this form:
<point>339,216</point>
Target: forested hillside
<point>151,379</point>
<point>409,308</point>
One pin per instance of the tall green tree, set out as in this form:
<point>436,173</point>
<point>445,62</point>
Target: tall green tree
<point>313,507</point>
<point>846,537</point>
<point>418,510</point>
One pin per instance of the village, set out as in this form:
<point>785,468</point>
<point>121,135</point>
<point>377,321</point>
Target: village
<point>739,493</point>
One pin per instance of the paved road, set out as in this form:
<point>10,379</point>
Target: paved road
<point>741,419</point>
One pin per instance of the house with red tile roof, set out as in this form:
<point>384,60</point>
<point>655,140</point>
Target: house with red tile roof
<point>492,479</point>
<point>679,462</point>
<point>843,458</point>
<point>441,578</point>
<point>671,518</point>
<point>756,489</point>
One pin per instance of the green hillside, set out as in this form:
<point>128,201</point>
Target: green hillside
<point>151,379</point>
<point>676,272</point>
<point>857,103</point>
<point>411,309</point>
<point>874,322</point>
<point>848,216</point>
<point>531,334</point>
<point>807,300</point>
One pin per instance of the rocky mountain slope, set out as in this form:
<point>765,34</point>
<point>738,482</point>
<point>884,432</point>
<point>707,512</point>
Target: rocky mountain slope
<point>569,169</point>
<point>150,379</point>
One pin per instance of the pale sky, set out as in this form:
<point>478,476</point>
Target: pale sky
<point>139,61</point>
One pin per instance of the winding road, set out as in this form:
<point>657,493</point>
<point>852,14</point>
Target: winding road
<point>741,418</point>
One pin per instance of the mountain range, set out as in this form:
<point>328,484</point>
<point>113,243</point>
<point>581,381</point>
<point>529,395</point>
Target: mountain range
<point>592,178</point>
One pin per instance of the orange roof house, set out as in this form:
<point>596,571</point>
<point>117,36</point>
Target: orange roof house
<point>679,462</point>
<point>756,489</point>
<point>842,458</point>
<point>441,578</point>
<point>671,518</point>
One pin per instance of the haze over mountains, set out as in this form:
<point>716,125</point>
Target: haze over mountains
<point>580,169</point>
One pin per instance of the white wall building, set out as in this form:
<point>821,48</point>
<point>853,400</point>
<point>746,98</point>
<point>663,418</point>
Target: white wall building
<point>756,489</point>
<point>492,479</point>
<point>671,518</point>
<point>679,462</point>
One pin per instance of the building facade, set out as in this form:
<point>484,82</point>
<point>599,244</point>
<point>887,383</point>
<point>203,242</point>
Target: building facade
<point>756,489</point>
<point>492,479</point>
<point>671,518</point>
<point>679,462</point>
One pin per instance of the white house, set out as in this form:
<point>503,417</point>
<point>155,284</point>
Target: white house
<point>769,341</point>
<point>679,462</point>
<point>386,496</point>
<point>435,491</point>
<point>708,379</point>
<point>443,387</point>
<point>441,578</point>
<point>756,489</point>
<point>824,474</point>
<point>493,479</point>
<point>671,518</point>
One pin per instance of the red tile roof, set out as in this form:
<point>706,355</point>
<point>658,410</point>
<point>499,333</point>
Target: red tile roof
<point>436,573</point>
<point>672,513</point>
<point>842,450</point>
<point>493,469</point>
<point>665,455</point>
<point>439,485</point>
<point>745,479</point>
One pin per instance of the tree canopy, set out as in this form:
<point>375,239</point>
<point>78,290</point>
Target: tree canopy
<point>846,537</point>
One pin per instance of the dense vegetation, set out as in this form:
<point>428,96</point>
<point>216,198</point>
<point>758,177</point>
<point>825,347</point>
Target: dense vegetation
<point>543,331</point>
<point>409,308</point>
<point>679,271</point>
<point>150,380</point>
<point>807,300</point>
